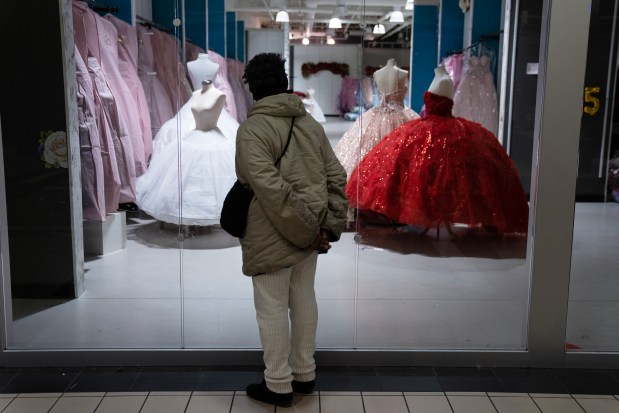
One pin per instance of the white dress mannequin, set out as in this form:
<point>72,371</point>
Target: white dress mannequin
<point>207,106</point>
<point>206,164</point>
<point>442,84</point>
<point>312,106</point>
<point>203,68</point>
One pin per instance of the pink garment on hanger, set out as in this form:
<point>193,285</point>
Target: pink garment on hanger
<point>93,178</point>
<point>116,150</point>
<point>158,101</point>
<point>109,116</point>
<point>221,82</point>
<point>166,64</point>
<point>348,97</point>
<point>128,67</point>
<point>237,88</point>
<point>453,66</point>
<point>108,45</point>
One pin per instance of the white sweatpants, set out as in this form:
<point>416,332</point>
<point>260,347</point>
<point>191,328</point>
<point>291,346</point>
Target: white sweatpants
<point>288,343</point>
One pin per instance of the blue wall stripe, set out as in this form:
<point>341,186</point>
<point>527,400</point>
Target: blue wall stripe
<point>216,26</point>
<point>231,34</point>
<point>452,27</point>
<point>240,40</point>
<point>425,45</point>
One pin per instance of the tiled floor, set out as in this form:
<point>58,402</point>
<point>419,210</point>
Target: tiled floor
<point>340,390</point>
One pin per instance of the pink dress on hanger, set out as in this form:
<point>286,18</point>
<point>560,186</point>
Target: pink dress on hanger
<point>128,67</point>
<point>476,97</point>
<point>108,44</point>
<point>93,178</point>
<point>453,66</point>
<point>237,88</point>
<point>371,127</point>
<point>159,105</point>
<point>221,82</point>
<point>165,59</point>
<point>116,150</point>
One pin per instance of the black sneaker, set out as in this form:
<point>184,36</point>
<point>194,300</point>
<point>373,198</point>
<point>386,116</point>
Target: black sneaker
<point>260,392</point>
<point>303,387</point>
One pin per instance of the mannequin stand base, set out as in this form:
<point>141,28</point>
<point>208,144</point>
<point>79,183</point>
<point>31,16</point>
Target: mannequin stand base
<point>104,237</point>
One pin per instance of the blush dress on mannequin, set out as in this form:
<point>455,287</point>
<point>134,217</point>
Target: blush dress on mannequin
<point>476,97</point>
<point>441,169</point>
<point>206,166</point>
<point>378,121</point>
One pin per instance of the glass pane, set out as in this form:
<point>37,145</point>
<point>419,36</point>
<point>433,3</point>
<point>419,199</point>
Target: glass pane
<point>441,211</point>
<point>592,312</point>
<point>219,308</point>
<point>123,292</point>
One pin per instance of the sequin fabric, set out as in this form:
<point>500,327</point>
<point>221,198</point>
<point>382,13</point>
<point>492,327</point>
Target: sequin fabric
<point>441,169</point>
<point>371,127</point>
<point>476,97</point>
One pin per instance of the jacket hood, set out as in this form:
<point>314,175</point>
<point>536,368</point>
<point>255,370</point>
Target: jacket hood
<point>283,104</point>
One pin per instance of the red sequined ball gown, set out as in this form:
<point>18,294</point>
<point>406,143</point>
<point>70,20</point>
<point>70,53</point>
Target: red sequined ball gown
<point>441,169</point>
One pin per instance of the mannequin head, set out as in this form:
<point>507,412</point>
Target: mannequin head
<point>265,75</point>
<point>442,84</point>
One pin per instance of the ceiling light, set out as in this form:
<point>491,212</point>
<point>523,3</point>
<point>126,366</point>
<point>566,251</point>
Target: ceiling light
<point>330,40</point>
<point>379,29</point>
<point>282,16</point>
<point>396,17</point>
<point>410,5</point>
<point>335,23</point>
<point>305,41</point>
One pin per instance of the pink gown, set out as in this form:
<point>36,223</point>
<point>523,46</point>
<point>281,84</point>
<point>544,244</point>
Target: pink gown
<point>476,97</point>
<point>108,44</point>
<point>371,127</point>
<point>93,178</point>
<point>117,153</point>
<point>159,105</point>
<point>237,88</point>
<point>221,82</point>
<point>165,59</point>
<point>128,66</point>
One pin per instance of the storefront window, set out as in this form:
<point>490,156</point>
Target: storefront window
<point>148,265</point>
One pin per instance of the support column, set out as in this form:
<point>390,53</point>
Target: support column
<point>240,40</point>
<point>451,29</point>
<point>562,63</point>
<point>216,26</point>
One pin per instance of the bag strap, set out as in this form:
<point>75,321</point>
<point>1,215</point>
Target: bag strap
<point>287,143</point>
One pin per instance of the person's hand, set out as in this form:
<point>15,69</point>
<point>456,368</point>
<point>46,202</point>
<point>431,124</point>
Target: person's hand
<point>320,243</point>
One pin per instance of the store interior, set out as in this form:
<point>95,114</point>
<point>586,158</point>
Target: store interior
<point>155,271</point>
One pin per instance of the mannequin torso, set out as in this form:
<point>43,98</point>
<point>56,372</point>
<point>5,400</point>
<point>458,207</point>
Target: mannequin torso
<point>442,84</point>
<point>390,78</point>
<point>203,68</point>
<point>207,105</point>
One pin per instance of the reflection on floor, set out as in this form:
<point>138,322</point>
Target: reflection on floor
<point>382,286</point>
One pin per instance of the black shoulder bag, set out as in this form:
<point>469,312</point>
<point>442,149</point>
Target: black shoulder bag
<point>236,205</point>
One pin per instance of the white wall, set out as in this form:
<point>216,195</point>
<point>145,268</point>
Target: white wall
<point>326,84</point>
<point>264,41</point>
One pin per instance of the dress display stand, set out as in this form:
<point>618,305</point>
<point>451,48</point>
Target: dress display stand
<point>103,237</point>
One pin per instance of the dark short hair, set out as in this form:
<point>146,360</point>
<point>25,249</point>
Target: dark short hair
<point>265,75</point>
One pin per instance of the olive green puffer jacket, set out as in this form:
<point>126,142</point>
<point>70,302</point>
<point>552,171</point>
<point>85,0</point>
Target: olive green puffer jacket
<point>294,201</point>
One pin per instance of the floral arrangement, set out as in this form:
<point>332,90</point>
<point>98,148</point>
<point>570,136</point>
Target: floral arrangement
<point>308,69</point>
<point>53,149</point>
